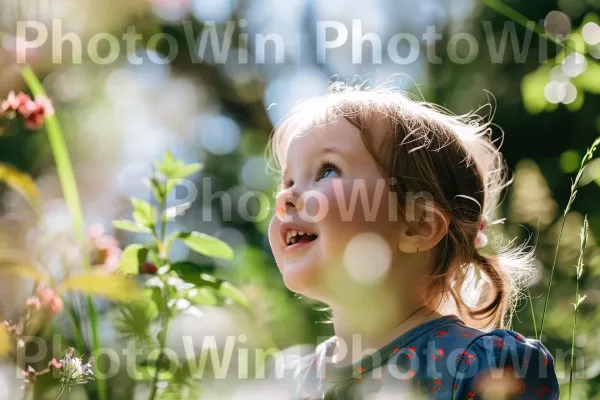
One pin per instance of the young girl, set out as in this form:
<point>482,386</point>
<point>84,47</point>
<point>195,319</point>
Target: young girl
<point>382,215</point>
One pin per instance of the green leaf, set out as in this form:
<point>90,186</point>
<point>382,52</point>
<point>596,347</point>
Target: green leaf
<point>143,213</point>
<point>167,165</point>
<point>147,373</point>
<point>157,190</point>
<point>131,260</point>
<point>231,292</point>
<point>98,283</point>
<point>178,390</point>
<point>130,226</point>
<point>134,320</point>
<point>202,297</point>
<point>6,345</point>
<point>64,169</point>
<point>21,182</point>
<point>184,171</point>
<point>171,184</point>
<point>176,169</point>
<point>206,245</point>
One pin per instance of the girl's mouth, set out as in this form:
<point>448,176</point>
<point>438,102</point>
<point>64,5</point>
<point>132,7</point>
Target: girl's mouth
<point>302,242</point>
<point>295,238</point>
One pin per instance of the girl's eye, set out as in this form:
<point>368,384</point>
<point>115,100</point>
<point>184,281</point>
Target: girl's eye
<point>328,170</point>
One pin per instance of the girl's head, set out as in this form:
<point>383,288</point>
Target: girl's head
<point>392,194</point>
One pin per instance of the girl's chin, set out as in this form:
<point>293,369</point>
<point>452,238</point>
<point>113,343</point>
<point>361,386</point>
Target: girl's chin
<point>300,277</point>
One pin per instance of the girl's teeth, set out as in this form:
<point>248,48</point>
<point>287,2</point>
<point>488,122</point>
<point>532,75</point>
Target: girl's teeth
<point>300,233</point>
<point>294,232</point>
<point>289,236</point>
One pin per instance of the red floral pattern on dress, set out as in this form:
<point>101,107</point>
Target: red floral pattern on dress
<point>411,351</point>
<point>440,333</point>
<point>470,396</point>
<point>466,357</point>
<point>498,343</point>
<point>545,360</point>
<point>434,385</point>
<point>438,354</point>
<point>542,391</point>
<point>467,334</point>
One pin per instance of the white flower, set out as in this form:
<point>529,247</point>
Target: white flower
<point>74,371</point>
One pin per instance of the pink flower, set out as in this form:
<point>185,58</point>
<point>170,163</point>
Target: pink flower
<point>55,364</point>
<point>50,300</point>
<point>16,103</point>
<point>33,303</point>
<point>95,231</point>
<point>36,112</point>
<point>105,250</point>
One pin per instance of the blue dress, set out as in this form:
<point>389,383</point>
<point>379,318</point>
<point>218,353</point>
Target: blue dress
<point>439,359</point>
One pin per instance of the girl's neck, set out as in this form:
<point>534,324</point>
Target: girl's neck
<point>362,330</point>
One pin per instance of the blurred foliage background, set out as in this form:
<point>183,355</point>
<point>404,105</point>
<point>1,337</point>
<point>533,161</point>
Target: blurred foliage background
<point>219,109</point>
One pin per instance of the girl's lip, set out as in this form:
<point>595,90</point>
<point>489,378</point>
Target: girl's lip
<point>287,226</point>
<point>297,246</point>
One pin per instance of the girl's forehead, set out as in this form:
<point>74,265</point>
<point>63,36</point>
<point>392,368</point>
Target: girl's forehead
<point>310,137</point>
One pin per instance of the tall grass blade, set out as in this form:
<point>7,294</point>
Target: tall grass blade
<point>578,298</point>
<point>574,186</point>
<point>69,187</point>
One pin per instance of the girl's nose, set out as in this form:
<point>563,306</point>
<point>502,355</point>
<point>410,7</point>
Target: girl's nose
<point>287,201</point>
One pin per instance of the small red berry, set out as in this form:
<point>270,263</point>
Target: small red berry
<point>148,268</point>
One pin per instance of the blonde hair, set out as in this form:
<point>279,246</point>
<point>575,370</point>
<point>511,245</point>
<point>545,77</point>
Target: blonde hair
<point>452,158</point>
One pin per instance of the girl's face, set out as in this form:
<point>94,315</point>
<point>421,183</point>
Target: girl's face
<point>334,193</point>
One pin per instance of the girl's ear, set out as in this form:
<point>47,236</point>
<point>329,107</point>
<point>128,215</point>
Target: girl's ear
<point>424,226</point>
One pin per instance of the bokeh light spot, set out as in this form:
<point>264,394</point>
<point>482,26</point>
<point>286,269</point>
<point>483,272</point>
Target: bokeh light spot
<point>569,161</point>
<point>218,134</point>
<point>368,258</point>
<point>591,33</point>
<point>557,25</point>
<point>555,92</point>
<point>574,64</point>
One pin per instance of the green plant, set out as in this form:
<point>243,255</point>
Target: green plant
<point>574,187</point>
<point>174,287</point>
<point>578,298</point>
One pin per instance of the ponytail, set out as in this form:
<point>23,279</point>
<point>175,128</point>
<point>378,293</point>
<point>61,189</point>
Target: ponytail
<point>506,274</point>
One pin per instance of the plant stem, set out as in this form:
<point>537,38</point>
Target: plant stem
<point>165,294</point>
<point>562,227</point>
<point>578,298</point>
<point>68,184</point>
<point>76,330</point>
<point>162,340</point>
<point>586,159</point>
<point>526,23</point>
<point>62,389</point>
<point>532,315</point>
<point>573,340</point>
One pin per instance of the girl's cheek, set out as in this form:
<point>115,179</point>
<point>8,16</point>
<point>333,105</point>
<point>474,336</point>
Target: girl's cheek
<point>353,201</point>
<point>274,238</point>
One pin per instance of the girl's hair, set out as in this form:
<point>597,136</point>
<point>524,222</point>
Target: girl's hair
<point>454,160</point>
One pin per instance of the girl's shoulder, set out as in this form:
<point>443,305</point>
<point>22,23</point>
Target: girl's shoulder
<point>504,360</point>
<point>455,358</point>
